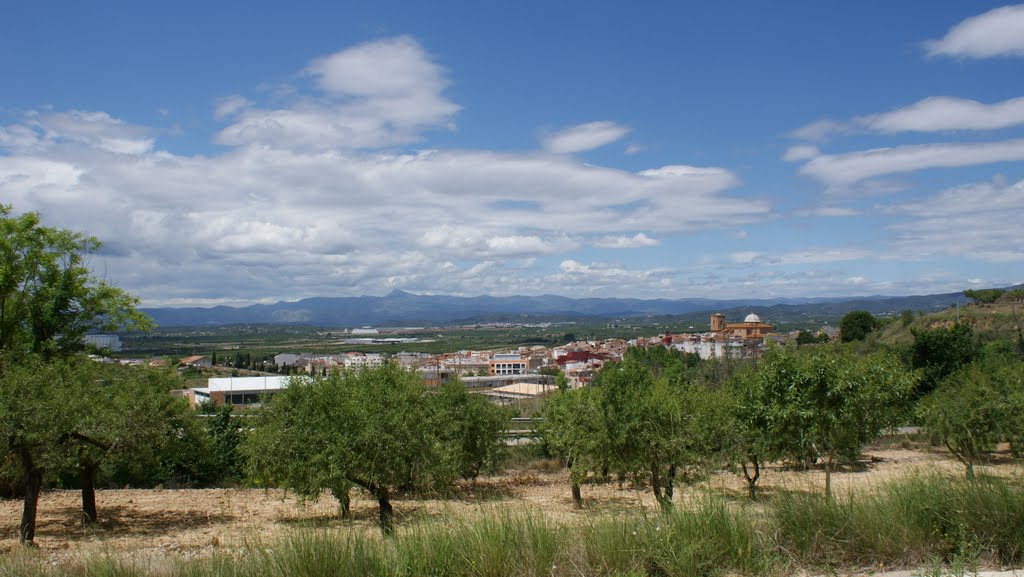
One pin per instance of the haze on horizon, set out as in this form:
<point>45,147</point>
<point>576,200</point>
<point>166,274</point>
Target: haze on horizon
<point>247,153</point>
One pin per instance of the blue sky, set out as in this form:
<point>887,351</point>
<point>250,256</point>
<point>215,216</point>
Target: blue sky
<point>240,152</point>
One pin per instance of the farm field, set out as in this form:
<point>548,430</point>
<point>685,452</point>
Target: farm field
<point>169,524</point>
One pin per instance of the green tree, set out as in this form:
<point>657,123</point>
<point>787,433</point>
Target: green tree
<point>940,351</point>
<point>829,402</point>
<point>640,419</point>
<point>471,426</point>
<point>377,428</point>
<point>48,298</point>
<point>32,423</point>
<point>855,326</point>
<point>984,296</point>
<point>975,407</point>
<point>806,338</point>
<point>120,411</point>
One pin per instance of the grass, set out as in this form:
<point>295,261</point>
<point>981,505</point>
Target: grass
<point>932,521</point>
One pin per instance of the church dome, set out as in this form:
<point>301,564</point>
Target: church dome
<point>752,318</point>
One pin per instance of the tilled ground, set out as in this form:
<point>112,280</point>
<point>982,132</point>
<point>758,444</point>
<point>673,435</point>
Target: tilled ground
<point>196,522</point>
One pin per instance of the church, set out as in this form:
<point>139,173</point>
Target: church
<point>751,328</point>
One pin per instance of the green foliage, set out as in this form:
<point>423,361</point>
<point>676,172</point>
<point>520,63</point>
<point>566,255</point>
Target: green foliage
<point>976,407</point>
<point>472,426</point>
<point>826,403</point>
<point>855,326</point>
<point>806,338</point>
<point>378,428</point>
<point>48,298</point>
<point>984,296</point>
<point>938,352</point>
<point>223,431</point>
<point>643,418</point>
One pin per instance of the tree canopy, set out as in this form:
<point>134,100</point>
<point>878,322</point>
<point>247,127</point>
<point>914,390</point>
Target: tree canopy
<point>377,428</point>
<point>644,418</point>
<point>49,299</point>
<point>827,403</point>
<point>855,326</point>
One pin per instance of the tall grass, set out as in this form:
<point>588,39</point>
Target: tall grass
<point>924,520</point>
<point>909,521</point>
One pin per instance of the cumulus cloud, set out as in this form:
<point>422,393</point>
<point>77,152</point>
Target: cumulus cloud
<point>346,222</point>
<point>639,240</point>
<point>374,95</point>
<point>998,32</point>
<point>838,171</point>
<point>584,137</point>
<point>598,277</point>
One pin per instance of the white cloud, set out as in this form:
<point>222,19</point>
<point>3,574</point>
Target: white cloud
<point>998,32</point>
<point>639,240</point>
<point>800,152</point>
<point>348,222</point>
<point>829,211</point>
<point>93,129</point>
<point>584,137</point>
<point>841,170</point>
<point>632,149</point>
<point>932,114</point>
<point>977,221</point>
<point>373,95</point>
<point>599,277</point>
<point>230,106</point>
<point>804,257</point>
<point>817,131</point>
<point>941,113</point>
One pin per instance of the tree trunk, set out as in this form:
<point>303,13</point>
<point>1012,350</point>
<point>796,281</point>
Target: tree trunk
<point>828,474</point>
<point>387,512</point>
<point>344,502</point>
<point>87,476</point>
<point>670,483</point>
<point>577,498</point>
<point>665,501</point>
<point>752,479</point>
<point>33,485</point>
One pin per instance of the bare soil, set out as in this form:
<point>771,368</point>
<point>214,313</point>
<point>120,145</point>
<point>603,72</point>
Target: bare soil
<point>197,522</point>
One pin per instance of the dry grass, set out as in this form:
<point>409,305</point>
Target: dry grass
<point>160,524</point>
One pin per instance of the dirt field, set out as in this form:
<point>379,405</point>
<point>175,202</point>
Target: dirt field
<point>196,522</point>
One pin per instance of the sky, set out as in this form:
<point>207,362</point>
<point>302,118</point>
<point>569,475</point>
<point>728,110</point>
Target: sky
<point>249,152</point>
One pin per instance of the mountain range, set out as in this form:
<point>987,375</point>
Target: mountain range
<point>400,308</point>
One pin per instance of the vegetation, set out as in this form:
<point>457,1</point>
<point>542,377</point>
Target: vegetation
<point>855,326</point>
<point>977,407</point>
<point>918,521</point>
<point>645,418</point>
<point>378,428</point>
<point>48,298</point>
<point>823,404</point>
<point>984,296</point>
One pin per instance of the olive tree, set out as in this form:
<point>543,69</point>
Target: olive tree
<point>376,428</point>
<point>828,402</point>
<point>654,429</point>
<point>976,407</point>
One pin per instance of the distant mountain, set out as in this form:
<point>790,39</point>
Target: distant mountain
<point>401,308</point>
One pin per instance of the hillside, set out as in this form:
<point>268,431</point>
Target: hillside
<point>405,309</point>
